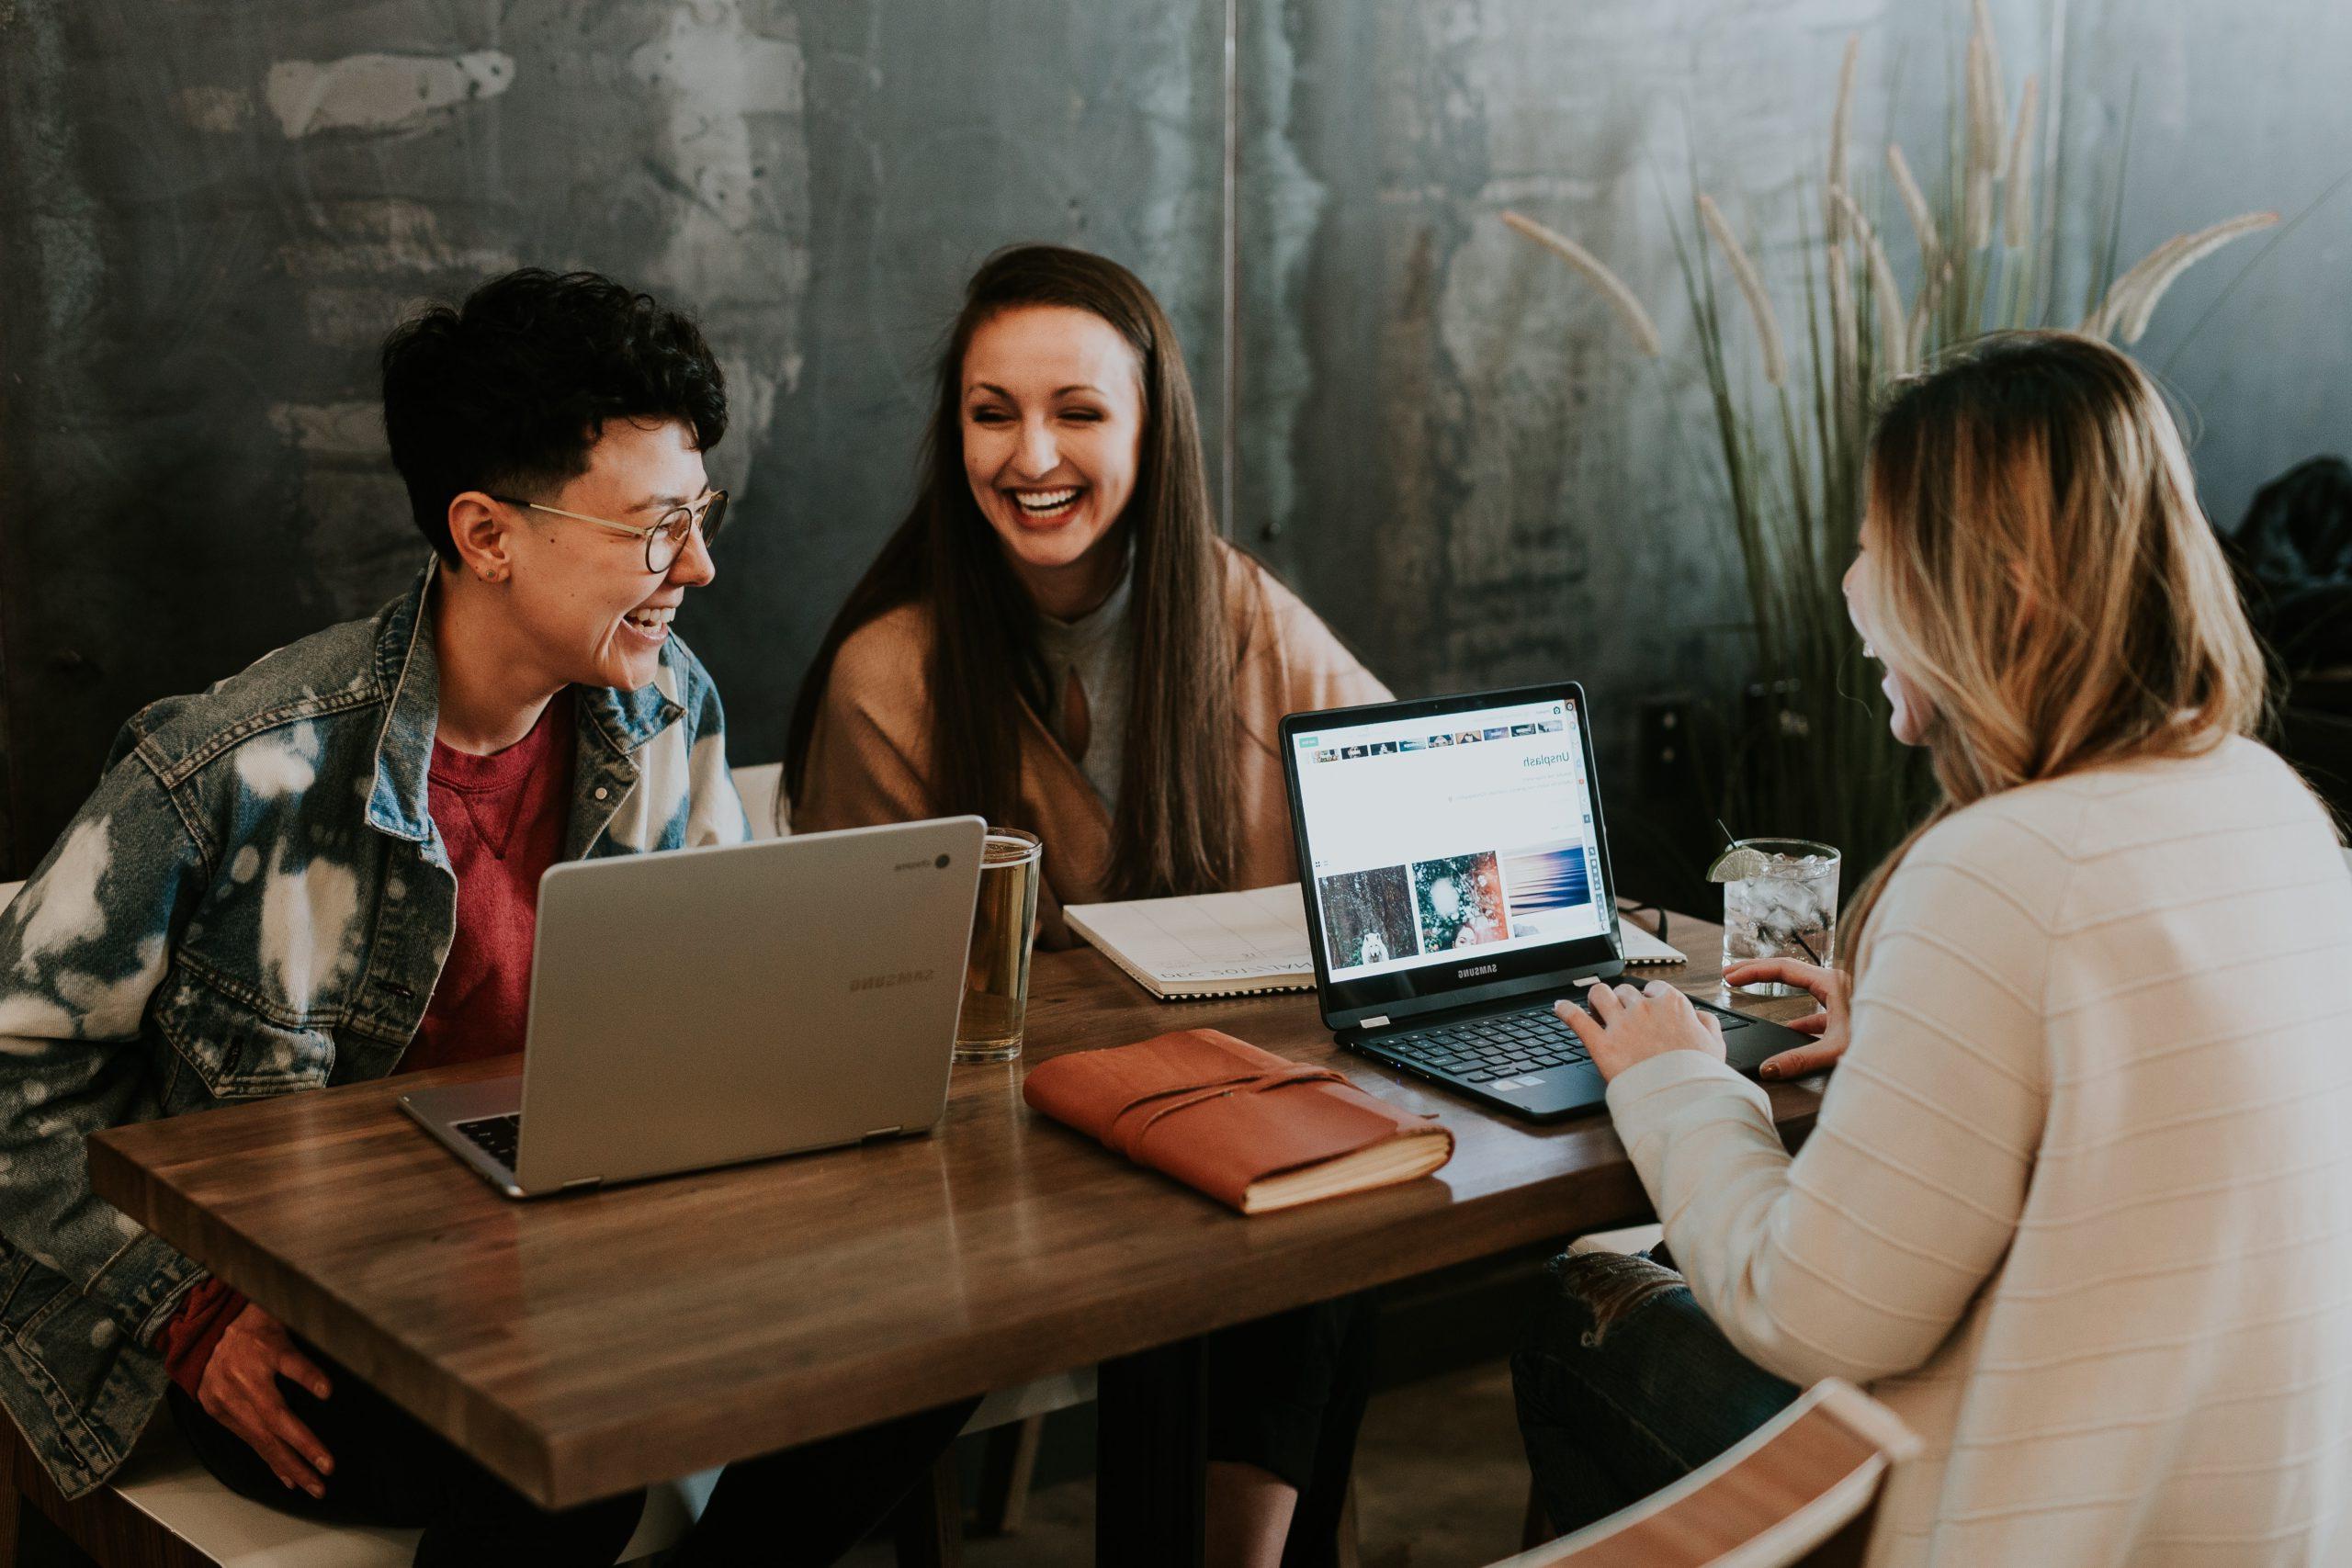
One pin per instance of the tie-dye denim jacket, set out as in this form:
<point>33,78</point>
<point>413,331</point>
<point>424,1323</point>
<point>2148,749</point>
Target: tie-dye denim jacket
<point>254,901</point>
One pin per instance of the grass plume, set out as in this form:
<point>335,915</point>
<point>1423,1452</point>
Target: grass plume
<point>1621,299</point>
<point>1807,748</point>
<point>2133,298</point>
<point>1752,288</point>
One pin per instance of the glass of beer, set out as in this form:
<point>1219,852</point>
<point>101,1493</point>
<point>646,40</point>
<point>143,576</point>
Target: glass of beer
<point>1004,928</point>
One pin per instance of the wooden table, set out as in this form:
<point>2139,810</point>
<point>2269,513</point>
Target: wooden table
<point>582,1345</point>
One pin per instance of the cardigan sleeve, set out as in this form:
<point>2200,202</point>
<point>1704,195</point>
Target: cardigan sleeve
<point>1323,673</point>
<point>1859,1257</point>
<point>867,762</point>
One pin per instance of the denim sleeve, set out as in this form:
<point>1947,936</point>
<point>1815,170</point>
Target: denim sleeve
<point>82,947</point>
<point>713,810</point>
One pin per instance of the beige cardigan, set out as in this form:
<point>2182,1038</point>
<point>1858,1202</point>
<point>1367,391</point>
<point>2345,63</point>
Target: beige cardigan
<point>2079,1203</point>
<point>869,756</point>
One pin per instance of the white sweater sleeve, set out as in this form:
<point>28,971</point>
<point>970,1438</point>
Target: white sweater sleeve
<point>1859,1256</point>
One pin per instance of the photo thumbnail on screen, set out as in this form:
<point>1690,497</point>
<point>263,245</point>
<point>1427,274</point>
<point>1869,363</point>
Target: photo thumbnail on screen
<point>1551,889</point>
<point>1367,917</point>
<point>1460,901</point>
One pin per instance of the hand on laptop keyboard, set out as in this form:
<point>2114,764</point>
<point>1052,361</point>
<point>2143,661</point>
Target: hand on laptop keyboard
<point>1620,1033</point>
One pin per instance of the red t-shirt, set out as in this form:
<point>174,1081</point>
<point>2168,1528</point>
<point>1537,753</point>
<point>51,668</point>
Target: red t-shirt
<point>502,819</point>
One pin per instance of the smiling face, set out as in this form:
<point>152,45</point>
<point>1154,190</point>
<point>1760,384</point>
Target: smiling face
<point>1911,712</point>
<point>578,594</point>
<point>1052,423</point>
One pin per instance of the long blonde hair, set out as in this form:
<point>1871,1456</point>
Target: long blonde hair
<point>2043,576</point>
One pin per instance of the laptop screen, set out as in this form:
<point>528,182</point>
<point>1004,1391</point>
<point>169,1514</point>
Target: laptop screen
<point>1447,844</point>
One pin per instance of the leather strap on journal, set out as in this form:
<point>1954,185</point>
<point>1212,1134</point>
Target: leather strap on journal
<point>1129,1127</point>
<point>1221,1115</point>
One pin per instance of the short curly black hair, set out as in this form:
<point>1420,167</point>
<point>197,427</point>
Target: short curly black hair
<point>510,391</point>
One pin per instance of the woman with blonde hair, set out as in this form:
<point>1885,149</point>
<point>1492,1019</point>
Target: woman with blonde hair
<point>2079,1204</point>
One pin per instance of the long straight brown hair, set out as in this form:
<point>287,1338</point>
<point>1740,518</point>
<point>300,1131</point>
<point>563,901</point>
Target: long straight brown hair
<point>2044,576</point>
<point>1177,821</point>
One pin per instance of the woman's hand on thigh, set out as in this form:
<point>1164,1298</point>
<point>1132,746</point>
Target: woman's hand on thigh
<point>240,1390</point>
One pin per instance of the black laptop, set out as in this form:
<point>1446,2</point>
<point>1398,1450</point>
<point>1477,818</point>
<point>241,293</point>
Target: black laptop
<point>1456,876</point>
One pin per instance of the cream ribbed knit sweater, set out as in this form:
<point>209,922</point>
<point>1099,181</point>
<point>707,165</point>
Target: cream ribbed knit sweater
<point>2079,1203</point>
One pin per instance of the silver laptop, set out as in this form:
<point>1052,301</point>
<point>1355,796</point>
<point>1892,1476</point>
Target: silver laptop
<point>698,1008</point>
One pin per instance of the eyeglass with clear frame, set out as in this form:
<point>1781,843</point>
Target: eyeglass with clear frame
<point>665,539</point>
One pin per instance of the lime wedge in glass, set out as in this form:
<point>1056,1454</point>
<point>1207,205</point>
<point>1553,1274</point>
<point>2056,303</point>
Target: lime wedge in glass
<point>1738,863</point>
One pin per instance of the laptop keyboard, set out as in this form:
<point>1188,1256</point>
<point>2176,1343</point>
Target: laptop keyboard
<point>1505,1045</point>
<point>497,1136</point>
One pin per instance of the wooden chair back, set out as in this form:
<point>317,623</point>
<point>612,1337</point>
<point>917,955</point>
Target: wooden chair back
<point>1803,1489</point>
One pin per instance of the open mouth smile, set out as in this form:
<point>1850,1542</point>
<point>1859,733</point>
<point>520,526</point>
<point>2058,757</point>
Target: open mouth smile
<point>1047,505</point>
<point>650,622</point>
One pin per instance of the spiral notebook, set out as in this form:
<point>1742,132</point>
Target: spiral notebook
<point>1239,944</point>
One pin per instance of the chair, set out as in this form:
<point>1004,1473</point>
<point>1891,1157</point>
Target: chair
<point>164,1510</point>
<point>1803,1490</point>
<point>929,1527</point>
<point>758,784</point>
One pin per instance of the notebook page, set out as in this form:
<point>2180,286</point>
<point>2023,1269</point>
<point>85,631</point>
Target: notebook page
<point>1233,939</point>
<point>1640,947</point>
<point>1211,937</point>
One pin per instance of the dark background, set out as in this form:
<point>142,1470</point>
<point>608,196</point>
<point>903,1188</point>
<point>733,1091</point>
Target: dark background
<point>210,212</point>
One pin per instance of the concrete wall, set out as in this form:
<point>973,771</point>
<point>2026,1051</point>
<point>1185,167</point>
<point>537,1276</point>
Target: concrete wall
<point>1430,393</point>
<point>212,210</point>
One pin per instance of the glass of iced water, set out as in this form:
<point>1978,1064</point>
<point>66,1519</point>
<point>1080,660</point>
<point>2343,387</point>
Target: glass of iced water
<point>1779,901</point>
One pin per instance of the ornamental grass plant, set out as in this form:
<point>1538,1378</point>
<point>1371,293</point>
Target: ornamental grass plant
<point>1802,745</point>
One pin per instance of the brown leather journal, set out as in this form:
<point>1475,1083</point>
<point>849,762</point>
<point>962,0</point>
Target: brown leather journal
<point>1245,1126</point>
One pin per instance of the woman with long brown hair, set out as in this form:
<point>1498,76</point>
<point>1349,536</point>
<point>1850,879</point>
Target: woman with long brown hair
<point>1057,639</point>
<point>2079,1204</point>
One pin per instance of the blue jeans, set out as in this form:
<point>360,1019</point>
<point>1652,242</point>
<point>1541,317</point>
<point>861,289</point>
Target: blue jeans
<point>1624,1386</point>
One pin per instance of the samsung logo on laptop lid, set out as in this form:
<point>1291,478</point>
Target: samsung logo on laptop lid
<point>1475,970</point>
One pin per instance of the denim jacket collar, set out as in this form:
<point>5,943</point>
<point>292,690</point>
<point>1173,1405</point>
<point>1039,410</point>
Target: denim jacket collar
<point>407,667</point>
